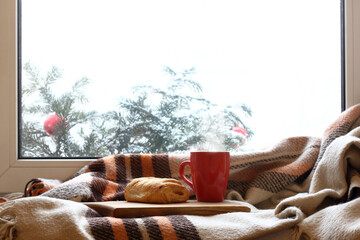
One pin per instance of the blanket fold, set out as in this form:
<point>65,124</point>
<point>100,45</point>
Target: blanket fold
<point>44,218</point>
<point>299,188</point>
<point>331,177</point>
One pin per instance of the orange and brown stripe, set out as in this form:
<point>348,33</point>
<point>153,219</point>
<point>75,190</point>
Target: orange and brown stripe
<point>97,168</point>
<point>153,229</point>
<point>147,165</point>
<point>166,228</point>
<point>120,168</point>
<point>132,229</point>
<point>136,167</point>
<point>101,228</point>
<point>295,168</point>
<point>184,228</point>
<point>343,124</point>
<point>37,187</point>
<point>110,191</point>
<point>346,117</point>
<point>98,186</point>
<point>272,181</point>
<point>118,228</point>
<point>161,165</point>
<point>110,168</point>
<point>157,228</point>
<point>302,164</point>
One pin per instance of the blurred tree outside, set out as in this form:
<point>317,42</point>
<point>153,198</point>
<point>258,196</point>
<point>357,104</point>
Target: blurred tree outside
<point>174,118</point>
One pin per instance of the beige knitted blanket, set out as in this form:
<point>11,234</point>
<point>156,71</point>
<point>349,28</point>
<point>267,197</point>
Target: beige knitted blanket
<point>302,188</point>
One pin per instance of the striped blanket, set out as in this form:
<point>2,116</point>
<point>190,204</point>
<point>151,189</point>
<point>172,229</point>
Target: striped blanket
<point>284,185</point>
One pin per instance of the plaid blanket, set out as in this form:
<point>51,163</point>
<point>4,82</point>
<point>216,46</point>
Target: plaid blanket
<point>268,179</point>
<point>254,177</point>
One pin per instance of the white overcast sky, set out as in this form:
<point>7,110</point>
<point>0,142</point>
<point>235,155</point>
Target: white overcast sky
<point>281,58</point>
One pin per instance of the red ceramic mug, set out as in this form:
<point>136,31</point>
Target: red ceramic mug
<point>209,173</point>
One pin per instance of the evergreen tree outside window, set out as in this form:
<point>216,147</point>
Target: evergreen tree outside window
<point>186,104</point>
<point>175,122</point>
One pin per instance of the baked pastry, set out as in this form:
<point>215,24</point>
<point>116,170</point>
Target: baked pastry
<point>156,190</point>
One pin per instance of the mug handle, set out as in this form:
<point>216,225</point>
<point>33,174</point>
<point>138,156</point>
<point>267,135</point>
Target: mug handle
<point>182,175</point>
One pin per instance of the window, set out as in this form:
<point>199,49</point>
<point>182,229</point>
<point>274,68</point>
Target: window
<point>229,79</point>
<point>15,172</point>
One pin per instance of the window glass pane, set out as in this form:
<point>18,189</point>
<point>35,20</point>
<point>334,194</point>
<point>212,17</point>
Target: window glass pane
<point>102,77</point>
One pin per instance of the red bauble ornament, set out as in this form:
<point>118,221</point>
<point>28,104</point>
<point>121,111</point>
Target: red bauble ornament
<point>240,130</point>
<point>51,122</point>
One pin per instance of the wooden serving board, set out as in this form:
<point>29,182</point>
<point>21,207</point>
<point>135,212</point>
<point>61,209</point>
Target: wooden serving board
<point>124,209</point>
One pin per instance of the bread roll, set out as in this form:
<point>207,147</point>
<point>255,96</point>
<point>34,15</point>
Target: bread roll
<point>156,190</point>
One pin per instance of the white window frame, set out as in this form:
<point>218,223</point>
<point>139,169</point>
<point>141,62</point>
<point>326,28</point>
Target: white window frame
<point>15,173</point>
